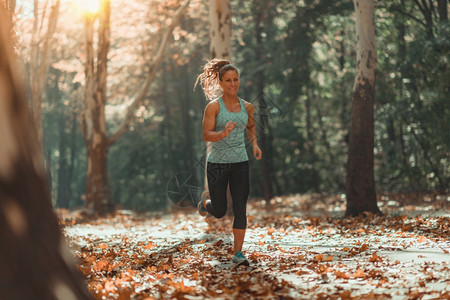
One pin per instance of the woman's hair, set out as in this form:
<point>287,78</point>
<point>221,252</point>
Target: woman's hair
<point>213,71</point>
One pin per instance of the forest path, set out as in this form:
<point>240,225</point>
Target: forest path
<point>184,256</point>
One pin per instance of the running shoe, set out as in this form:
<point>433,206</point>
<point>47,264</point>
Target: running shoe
<point>240,259</point>
<point>201,209</point>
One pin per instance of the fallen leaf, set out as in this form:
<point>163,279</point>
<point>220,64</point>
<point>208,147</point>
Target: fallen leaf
<point>359,274</point>
<point>422,239</point>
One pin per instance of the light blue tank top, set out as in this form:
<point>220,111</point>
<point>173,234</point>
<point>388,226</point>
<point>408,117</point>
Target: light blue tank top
<point>230,149</point>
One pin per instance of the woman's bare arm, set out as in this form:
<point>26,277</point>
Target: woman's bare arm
<point>251,130</point>
<point>209,124</point>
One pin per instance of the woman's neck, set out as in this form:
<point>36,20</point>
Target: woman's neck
<point>230,98</point>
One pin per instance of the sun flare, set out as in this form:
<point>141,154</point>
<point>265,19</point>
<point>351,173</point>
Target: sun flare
<point>88,6</point>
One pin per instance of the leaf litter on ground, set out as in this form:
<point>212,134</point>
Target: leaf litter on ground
<point>299,248</point>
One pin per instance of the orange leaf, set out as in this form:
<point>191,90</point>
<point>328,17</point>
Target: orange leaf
<point>103,246</point>
<point>101,265</point>
<point>374,257</point>
<point>422,239</point>
<point>364,247</point>
<point>340,274</point>
<point>359,274</point>
<point>149,246</point>
<point>319,257</point>
<point>260,243</point>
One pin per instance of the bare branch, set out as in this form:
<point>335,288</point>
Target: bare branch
<point>151,75</point>
<point>394,8</point>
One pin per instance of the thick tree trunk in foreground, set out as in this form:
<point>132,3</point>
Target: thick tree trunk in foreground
<point>360,185</point>
<point>35,262</point>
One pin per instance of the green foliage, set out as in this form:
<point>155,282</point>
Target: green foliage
<point>414,123</point>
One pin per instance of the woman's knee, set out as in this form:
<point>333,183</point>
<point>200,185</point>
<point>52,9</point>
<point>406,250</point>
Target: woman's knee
<point>240,222</point>
<point>216,210</point>
<point>220,214</point>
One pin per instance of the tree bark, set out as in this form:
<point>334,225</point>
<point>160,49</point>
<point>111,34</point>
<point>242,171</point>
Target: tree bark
<point>40,61</point>
<point>219,47</point>
<point>315,180</point>
<point>443,10</point>
<point>219,39</point>
<point>220,29</point>
<point>261,19</point>
<point>34,258</point>
<point>93,123</point>
<point>360,182</point>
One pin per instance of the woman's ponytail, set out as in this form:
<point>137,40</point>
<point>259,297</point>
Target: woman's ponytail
<point>212,73</point>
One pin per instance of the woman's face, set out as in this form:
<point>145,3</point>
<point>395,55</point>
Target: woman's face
<point>230,83</point>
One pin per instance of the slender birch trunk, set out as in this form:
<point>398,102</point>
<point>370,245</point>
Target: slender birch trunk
<point>220,29</point>
<point>360,185</point>
<point>219,47</point>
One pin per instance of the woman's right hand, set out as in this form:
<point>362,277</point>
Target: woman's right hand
<point>229,127</point>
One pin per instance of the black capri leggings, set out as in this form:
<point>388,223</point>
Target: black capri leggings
<point>237,176</point>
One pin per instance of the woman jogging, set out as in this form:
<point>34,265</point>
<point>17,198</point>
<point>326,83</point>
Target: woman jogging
<point>225,121</point>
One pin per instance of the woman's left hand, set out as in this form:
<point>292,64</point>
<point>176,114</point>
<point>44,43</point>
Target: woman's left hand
<point>257,152</point>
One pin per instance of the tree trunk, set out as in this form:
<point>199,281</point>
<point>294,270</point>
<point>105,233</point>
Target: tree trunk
<point>40,61</point>
<point>443,10</point>
<point>310,141</point>
<point>34,258</point>
<point>98,196</point>
<point>261,19</point>
<point>219,47</point>
<point>219,39</point>
<point>427,9</point>
<point>360,182</point>
<point>220,29</point>
<point>93,122</point>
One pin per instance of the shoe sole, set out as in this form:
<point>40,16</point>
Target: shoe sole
<point>243,263</point>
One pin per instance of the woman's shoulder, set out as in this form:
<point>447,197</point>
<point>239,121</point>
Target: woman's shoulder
<point>248,105</point>
<point>213,105</point>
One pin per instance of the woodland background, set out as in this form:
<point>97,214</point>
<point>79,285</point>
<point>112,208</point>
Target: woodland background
<point>109,84</point>
<point>299,56</point>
